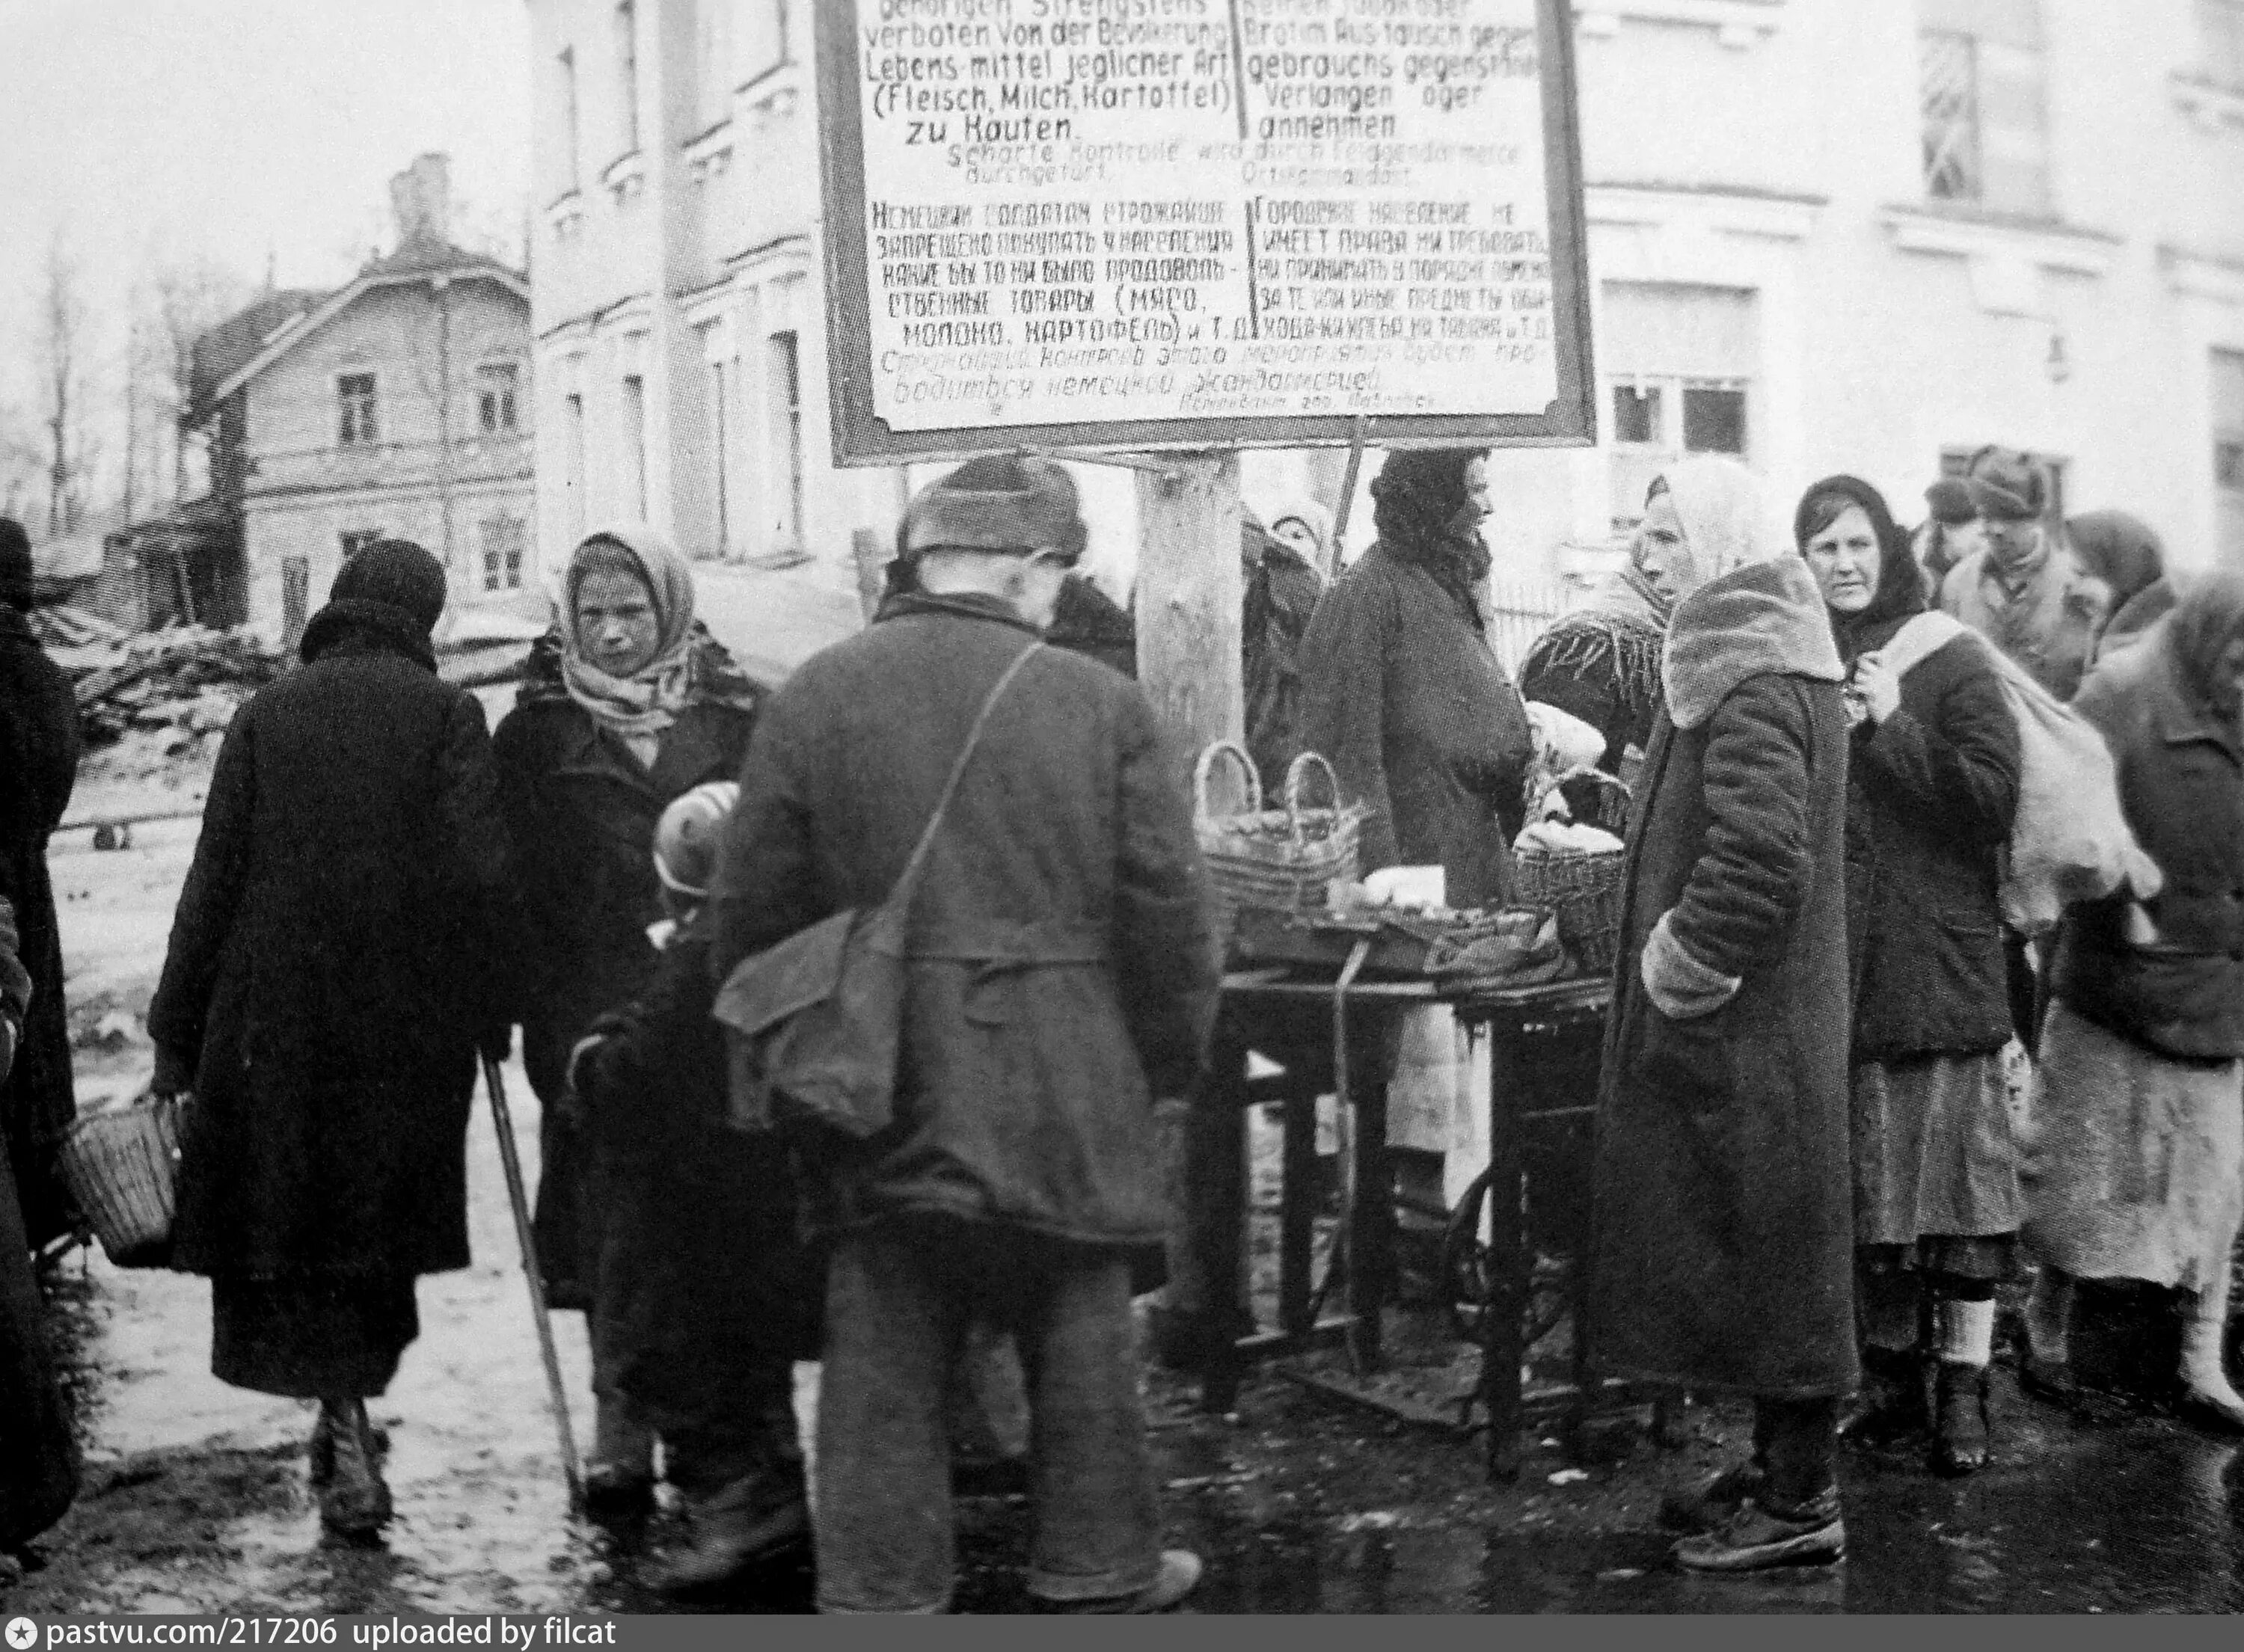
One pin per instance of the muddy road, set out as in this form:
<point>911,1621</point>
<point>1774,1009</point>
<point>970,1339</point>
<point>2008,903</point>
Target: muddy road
<point>195,1499</point>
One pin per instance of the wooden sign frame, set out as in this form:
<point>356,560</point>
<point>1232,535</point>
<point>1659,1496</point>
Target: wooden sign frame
<point>861,438</point>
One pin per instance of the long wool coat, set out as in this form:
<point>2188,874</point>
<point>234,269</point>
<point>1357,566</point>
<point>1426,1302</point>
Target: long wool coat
<point>38,765</point>
<point>1063,972</point>
<point>1405,696</point>
<point>38,1458</point>
<point>342,938</point>
<point>581,812</point>
<point>1723,1226</point>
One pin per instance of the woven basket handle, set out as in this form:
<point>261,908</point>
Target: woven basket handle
<point>1205,767</point>
<point>1295,774</point>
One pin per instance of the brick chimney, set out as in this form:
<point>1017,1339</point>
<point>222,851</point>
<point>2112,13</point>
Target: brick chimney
<point>421,197</point>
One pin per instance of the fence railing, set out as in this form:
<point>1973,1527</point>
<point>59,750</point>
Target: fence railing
<point>1520,609</point>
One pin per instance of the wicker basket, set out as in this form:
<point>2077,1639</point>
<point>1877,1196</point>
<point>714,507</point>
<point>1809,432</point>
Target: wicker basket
<point>122,1165</point>
<point>1583,891</point>
<point>1275,859</point>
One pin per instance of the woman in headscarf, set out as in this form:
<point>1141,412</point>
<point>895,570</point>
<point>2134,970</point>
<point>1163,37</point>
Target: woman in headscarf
<point>1721,1251</point>
<point>2126,553</point>
<point>1601,662</point>
<point>2137,1165</point>
<point>1302,524</point>
<point>628,703</point>
<point>1401,691</point>
<point>1932,789</point>
<point>341,944</point>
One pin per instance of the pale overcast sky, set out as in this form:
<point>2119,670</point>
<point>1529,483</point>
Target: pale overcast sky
<point>236,129</point>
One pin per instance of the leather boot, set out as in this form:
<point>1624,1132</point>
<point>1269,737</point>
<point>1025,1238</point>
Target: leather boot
<point>321,1453</point>
<point>620,1480</point>
<point>2209,1399</point>
<point>732,1530</point>
<point>1961,1442</point>
<point>1893,1408</point>
<point>354,1502</point>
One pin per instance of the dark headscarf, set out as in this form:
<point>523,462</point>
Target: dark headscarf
<point>2122,551</point>
<point>2208,619</point>
<point>1900,592</point>
<point>389,595</point>
<point>1420,507</point>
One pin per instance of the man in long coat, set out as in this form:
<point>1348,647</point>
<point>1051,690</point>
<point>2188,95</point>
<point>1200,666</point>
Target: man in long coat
<point>1723,1225</point>
<point>1061,977</point>
<point>38,766</point>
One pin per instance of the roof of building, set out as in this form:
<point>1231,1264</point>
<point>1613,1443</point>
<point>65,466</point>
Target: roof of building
<point>243,346</point>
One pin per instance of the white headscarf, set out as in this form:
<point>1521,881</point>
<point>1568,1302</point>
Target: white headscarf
<point>1725,515</point>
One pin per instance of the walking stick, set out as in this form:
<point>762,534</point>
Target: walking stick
<point>555,1397</point>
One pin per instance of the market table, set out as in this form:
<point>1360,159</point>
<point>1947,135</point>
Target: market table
<point>1278,1010</point>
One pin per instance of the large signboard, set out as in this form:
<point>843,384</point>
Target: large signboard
<point>1144,224</point>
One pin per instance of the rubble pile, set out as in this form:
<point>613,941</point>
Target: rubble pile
<point>175,685</point>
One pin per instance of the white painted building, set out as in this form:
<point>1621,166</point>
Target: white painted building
<point>1864,235</point>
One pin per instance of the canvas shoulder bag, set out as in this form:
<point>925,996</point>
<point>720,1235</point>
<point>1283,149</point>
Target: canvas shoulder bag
<point>2070,841</point>
<point>812,1025</point>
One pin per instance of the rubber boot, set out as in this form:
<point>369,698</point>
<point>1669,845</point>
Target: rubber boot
<point>354,1502</point>
<point>2209,1399</point>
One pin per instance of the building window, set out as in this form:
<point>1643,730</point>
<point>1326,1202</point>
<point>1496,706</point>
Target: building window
<point>2220,34</point>
<point>2228,450</point>
<point>505,539</point>
<point>627,72</point>
<point>635,434</point>
<point>784,379</point>
<point>768,46</point>
<point>721,461</point>
<point>1681,365</point>
<point>1981,97</point>
<point>357,540</point>
<point>495,397</point>
<point>355,425</point>
<point>569,112</point>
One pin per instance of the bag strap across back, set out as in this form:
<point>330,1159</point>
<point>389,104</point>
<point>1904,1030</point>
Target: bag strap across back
<point>908,883</point>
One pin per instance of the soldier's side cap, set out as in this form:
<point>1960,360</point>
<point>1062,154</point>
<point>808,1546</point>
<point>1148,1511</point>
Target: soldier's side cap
<point>2006,485</point>
<point>1014,503</point>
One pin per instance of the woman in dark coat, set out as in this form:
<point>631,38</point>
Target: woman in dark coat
<point>38,759</point>
<point>1402,691</point>
<point>2126,554</point>
<point>339,950</point>
<point>629,702</point>
<point>2136,1170</point>
<point>38,1468</point>
<point>1932,791</point>
<point>1722,1240</point>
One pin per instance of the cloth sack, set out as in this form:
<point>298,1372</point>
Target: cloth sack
<point>812,1025</point>
<point>2071,841</point>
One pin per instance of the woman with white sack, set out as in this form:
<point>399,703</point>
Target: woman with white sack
<point>1932,793</point>
<point>2137,1162</point>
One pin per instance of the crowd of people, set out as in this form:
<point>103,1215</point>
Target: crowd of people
<point>1810,1178</point>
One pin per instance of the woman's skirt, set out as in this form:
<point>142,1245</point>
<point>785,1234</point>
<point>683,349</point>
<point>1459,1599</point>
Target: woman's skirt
<point>2135,1162</point>
<point>1934,1153</point>
<point>314,1338</point>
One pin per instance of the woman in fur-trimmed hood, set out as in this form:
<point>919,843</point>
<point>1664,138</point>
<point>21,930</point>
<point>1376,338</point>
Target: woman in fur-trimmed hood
<point>628,702</point>
<point>1722,1240</point>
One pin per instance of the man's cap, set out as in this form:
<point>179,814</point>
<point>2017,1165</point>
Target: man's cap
<point>1008,502</point>
<point>2007,485</point>
<point>686,837</point>
<point>1950,501</point>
